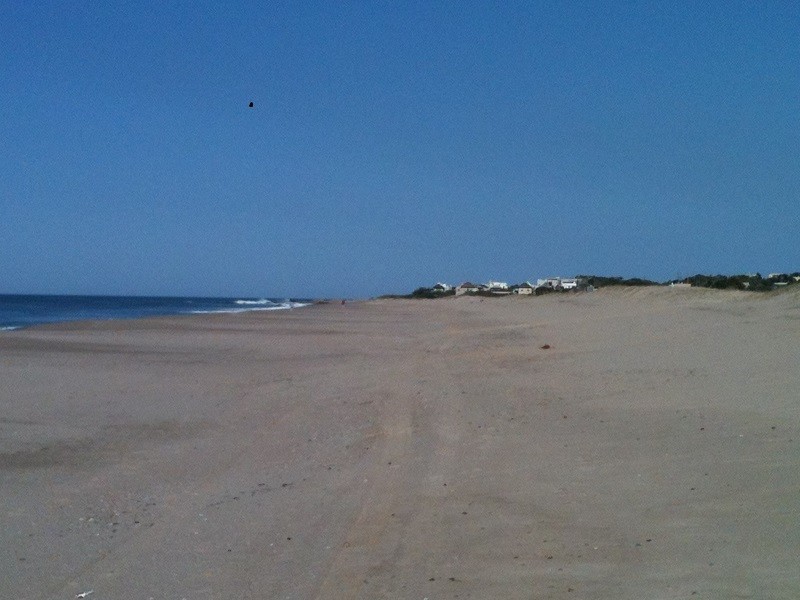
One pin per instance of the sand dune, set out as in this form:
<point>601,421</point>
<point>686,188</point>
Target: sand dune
<point>409,449</point>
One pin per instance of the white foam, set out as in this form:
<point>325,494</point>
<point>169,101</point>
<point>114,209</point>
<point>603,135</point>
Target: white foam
<point>10,328</point>
<point>299,304</point>
<point>283,306</point>
<point>261,302</point>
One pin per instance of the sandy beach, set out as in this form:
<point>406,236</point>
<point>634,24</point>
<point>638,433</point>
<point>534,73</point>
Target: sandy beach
<point>409,449</point>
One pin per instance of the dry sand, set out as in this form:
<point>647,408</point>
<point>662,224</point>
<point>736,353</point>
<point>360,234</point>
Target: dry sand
<point>409,449</point>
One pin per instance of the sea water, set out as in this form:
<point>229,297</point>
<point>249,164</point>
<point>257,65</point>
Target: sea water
<point>17,311</point>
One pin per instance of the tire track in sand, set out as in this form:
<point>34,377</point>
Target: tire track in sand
<point>415,434</point>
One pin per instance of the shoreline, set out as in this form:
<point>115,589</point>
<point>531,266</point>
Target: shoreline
<point>404,448</point>
<point>124,308</point>
<point>305,303</point>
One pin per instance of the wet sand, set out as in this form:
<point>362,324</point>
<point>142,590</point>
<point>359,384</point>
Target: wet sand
<point>409,449</point>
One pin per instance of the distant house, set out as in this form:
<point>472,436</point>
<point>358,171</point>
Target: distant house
<point>569,283</point>
<point>466,288</point>
<point>559,283</point>
<point>524,289</point>
<point>498,288</point>
<point>442,287</point>
<point>550,282</point>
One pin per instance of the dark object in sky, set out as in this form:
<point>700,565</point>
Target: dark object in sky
<point>250,105</point>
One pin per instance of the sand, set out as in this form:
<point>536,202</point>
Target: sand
<point>409,449</point>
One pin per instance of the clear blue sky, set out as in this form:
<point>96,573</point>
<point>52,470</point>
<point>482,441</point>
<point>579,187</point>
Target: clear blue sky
<point>393,144</point>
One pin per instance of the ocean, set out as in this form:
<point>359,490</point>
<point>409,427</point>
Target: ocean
<point>18,311</point>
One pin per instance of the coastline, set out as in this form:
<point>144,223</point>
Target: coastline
<point>409,448</point>
<point>19,311</point>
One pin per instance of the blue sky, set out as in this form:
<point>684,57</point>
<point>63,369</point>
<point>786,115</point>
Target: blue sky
<point>393,145</point>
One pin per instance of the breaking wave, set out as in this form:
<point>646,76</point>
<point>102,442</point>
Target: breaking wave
<point>261,302</point>
<point>20,311</point>
<point>253,306</point>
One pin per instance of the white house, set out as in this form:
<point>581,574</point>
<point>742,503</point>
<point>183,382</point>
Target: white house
<point>442,287</point>
<point>466,288</point>
<point>498,288</point>
<point>551,282</point>
<point>569,283</point>
<point>525,288</point>
<point>559,283</point>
